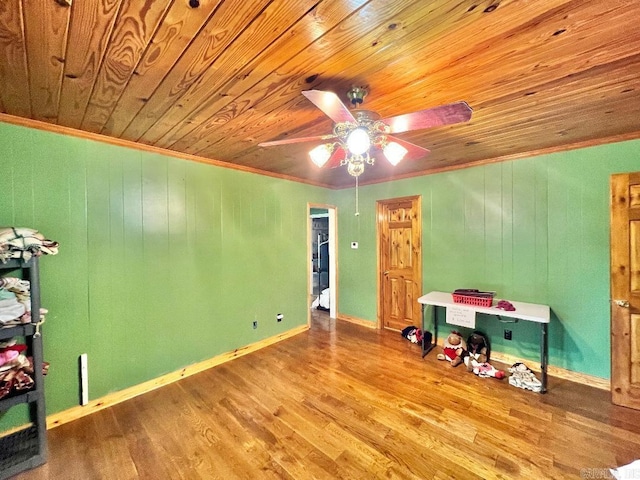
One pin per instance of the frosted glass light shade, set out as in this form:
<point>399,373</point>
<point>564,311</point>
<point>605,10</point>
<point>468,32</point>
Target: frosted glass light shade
<point>320,154</point>
<point>358,141</point>
<point>394,152</point>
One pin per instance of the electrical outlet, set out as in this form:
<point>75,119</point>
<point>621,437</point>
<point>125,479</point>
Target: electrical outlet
<point>279,317</point>
<point>255,324</point>
<point>507,334</point>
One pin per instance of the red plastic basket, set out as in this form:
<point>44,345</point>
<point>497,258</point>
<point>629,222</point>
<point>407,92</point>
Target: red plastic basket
<point>478,301</point>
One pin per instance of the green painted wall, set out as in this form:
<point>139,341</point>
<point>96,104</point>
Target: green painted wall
<point>163,262</point>
<point>534,230</point>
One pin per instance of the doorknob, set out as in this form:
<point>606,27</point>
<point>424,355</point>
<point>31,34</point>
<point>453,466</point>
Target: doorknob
<point>386,272</point>
<point>622,303</point>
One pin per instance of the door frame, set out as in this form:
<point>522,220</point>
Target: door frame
<point>333,258</point>
<point>418,266</point>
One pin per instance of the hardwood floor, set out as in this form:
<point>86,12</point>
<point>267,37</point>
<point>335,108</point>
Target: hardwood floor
<point>343,401</point>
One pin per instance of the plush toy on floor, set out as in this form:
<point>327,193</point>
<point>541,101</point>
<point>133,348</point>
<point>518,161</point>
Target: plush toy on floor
<point>477,350</point>
<point>487,370</point>
<point>413,334</point>
<point>477,356</point>
<point>454,349</point>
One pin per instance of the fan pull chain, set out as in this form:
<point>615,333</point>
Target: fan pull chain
<point>357,204</point>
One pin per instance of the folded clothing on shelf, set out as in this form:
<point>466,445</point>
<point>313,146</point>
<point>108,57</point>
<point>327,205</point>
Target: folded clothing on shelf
<point>24,243</point>
<point>11,310</point>
<point>15,301</point>
<point>16,374</point>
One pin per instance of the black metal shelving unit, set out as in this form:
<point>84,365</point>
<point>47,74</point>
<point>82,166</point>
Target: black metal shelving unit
<point>26,448</point>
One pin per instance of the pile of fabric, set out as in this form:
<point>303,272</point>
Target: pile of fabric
<point>24,243</point>
<point>16,366</point>
<point>16,369</point>
<point>523,377</point>
<point>323,301</point>
<point>15,302</point>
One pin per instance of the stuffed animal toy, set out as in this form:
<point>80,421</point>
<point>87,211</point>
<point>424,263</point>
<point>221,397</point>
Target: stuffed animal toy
<point>413,334</point>
<point>487,370</point>
<point>453,349</point>
<point>477,357</point>
<point>477,350</point>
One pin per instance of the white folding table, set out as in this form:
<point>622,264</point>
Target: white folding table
<point>530,312</point>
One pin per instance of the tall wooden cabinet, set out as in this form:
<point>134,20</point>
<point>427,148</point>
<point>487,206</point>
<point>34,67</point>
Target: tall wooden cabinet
<point>27,447</point>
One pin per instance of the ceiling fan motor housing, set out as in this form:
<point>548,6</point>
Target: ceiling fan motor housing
<point>356,95</point>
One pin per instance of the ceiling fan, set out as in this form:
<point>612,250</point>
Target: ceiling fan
<point>356,136</point>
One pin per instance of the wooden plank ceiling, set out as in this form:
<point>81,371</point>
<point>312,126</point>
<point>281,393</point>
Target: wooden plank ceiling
<point>215,80</point>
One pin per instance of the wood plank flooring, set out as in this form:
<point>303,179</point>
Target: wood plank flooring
<point>343,401</point>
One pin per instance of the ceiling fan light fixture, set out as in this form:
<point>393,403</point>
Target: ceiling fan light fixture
<point>321,154</point>
<point>358,136</point>
<point>355,167</point>
<point>400,124</point>
<point>394,152</point>
<point>358,141</point>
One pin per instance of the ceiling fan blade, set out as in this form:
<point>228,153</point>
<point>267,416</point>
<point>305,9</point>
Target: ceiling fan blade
<point>330,104</point>
<point>414,152</point>
<point>433,117</point>
<point>336,158</point>
<point>296,140</point>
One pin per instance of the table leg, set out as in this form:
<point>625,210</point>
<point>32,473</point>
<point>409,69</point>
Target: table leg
<point>427,348</point>
<point>544,353</point>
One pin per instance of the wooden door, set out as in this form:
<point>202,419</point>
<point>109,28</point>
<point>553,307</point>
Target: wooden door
<point>625,290</point>
<point>399,262</point>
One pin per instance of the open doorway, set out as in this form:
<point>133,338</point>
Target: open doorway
<point>321,252</point>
